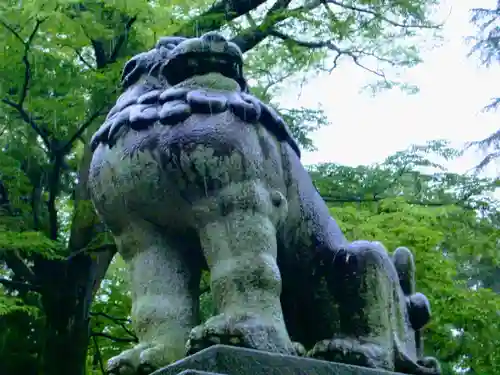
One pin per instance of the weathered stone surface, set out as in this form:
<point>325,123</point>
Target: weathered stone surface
<point>197,372</point>
<point>191,172</point>
<point>227,360</point>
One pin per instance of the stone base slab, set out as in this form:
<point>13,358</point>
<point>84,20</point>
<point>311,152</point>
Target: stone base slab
<point>228,360</point>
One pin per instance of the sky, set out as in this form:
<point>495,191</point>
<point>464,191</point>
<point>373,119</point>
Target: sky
<point>453,89</point>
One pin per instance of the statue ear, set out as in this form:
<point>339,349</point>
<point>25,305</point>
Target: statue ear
<point>139,65</point>
<point>419,308</point>
<point>405,267</point>
<point>130,71</point>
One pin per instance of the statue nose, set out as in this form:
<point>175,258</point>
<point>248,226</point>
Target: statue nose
<point>216,41</point>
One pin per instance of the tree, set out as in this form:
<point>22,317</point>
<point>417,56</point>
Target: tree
<point>59,68</point>
<point>486,44</point>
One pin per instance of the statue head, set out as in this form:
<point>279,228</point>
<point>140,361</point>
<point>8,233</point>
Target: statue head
<point>155,79</point>
<point>175,59</point>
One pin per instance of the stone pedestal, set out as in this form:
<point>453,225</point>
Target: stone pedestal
<point>227,360</point>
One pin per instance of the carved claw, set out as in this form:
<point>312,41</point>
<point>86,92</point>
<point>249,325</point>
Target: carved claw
<point>423,366</point>
<point>143,359</point>
<point>352,351</point>
<point>431,365</point>
<point>300,350</point>
<point>245,330</point>
<point>127,362</point>
<point>204,336</point>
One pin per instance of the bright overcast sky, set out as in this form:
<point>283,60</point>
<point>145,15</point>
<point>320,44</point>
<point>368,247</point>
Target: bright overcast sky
<point>453,90</point>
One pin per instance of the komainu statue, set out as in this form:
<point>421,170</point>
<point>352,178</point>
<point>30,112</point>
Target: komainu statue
<point>189,172</point>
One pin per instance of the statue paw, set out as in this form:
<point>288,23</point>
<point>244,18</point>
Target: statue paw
<point>423,366</point>
<point>430,366</point>
<point>300,350</point>
<point>245,330</point>
<point>143,359</point>
<point>353,352</point>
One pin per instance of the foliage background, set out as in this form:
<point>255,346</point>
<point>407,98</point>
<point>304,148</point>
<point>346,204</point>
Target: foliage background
<point>64,303</point>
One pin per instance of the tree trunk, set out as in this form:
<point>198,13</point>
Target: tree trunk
<point>66,298</point>
<point>69,286</point>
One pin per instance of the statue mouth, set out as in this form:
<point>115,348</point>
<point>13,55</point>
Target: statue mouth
<point>203,56</point>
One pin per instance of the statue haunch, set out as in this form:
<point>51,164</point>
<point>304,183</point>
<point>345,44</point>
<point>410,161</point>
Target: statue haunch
<point>190,171</point>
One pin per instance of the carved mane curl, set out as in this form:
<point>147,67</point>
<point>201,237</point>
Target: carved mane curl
<point>148,98</point>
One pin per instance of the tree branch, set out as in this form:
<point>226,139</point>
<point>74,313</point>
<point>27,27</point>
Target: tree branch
<point>27,46</point>
<point>19,106</point>
<point>333,47</point>
<point>487,160</point>
<point>273,17</point>
<point>120,321</point>
<point>122,39</point>
<point>27,69</point>
<point>248,39</point>
<point>251,37</point>
<point>204,290</point>
<point>98,355</point>
<point>19,285</point>
<point>82,59</point>
<point>379,16</point>
<point>394,181</point>
<point>12,258</point>
<point>117,339</point>
<point>101,62</point>
<point>378,199</point>
<point>99,52</point>
<point>216,16</point>
<point>12,30</point>
<point>100,249</point>
<point>110,317</point>
<point>27,118</point>
<point>19,266</point>
<point>81,129</point>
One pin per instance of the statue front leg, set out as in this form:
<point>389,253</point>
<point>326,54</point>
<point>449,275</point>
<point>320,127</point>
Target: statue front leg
<point>362,280</point>
<point>379,310</point>
<point>239,241</point>
<point>164,298</point>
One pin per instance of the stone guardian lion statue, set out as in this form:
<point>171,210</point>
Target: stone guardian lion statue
<point>190,172</point>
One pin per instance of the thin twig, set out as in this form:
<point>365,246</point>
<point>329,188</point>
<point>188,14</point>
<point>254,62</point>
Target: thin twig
<point>82,59</point>
<point>19,285</point>
<point>333,47</point>
<point>120,321</point>
<point>81,129</point>
<point>117,339</point>
<point>19,106</point>
<point>110,317</point>
<point>99,356</point>
<point>28,119</point>
<point>381,17</point>
<point>122,39</point>
<point>27,66</point>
